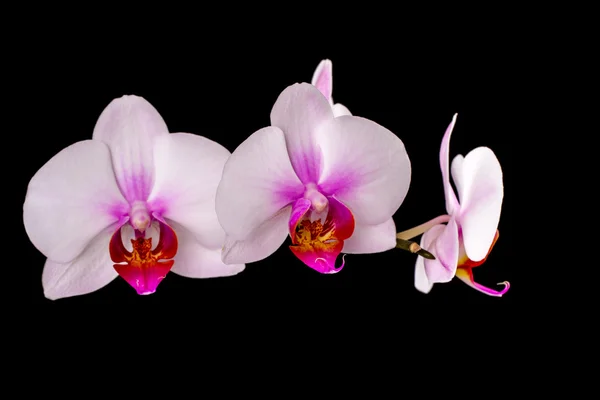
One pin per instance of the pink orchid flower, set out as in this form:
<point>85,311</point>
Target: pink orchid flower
<point>134,201</point>
<point>323,80</point>
<point>472,224</point>
<point>331,183</point>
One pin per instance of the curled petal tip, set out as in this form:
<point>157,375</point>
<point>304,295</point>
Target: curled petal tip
<point>506,287</point>
<point>334,270</point>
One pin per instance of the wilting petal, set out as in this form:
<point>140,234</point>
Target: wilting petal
<point>322,78</point>
<point>466,275</point>
<point>298,112</point>
<point>445,247</point>
<point>339,110</point>
<point>261,243</point>
<point>365,166</point>
<point>129,125</point>
<point>422,283</point>
<point>188,172</point>
<point>71,199</point>
<point>371,238</point>
<point>258,181</point>
<point>481,201</point>
<point>318,243</point>
<point>144,268</point>
<point>452,205</point>
<point>196,261</point>
<point>91,271</point>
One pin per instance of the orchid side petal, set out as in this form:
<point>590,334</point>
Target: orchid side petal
<point>188,172</point>
<point>323,78</point>
<point>339,110</point>
<point>445,247</point>
<point>193,260</point>
<point>466,275</point>
<point>456,171</point>
<point>90,271</point>
<point>258,180</point>
<point>368,239</point>
<point>481,197</point>
<point>422,283</point>
<point>260,243</point>
<point>129,125</point>
<point>452,205</point>
<point>365,166</point>
<point>298,112</point>
<point>71,199</point>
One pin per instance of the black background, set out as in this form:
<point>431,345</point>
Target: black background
<point>225,93</point>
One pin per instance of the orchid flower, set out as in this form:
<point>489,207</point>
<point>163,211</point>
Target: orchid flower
<point>134,201</point>
<point>331,183</point>
<point>471,228</point>
<point>323,80</point>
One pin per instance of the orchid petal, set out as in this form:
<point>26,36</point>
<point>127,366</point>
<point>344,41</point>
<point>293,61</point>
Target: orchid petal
<point>323,78</point>
<point>298,112</point>
<point>71,199</point>
<point>366,166</point>
<point>466,275</point>
<point>258,181</point>
<point>90,271</point>
<point>196,261</point>
<point>129,125</point>
<point>481,198</point>
<point>339,110</point>
<point>371,238</point>
<point>188,172</point>
<point>318,243</point>
<point>456,170</point>
<point>261,243</point>
<point>422,283</point>
<point>299,209</point>
<point>452,205</point>
<point>445,247</point>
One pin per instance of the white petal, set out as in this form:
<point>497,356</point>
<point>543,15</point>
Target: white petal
<point>365,166</point>
<point>71,199</point>
<point>196,261</point>
<point>339,110</point>
<point>452,205</point>
<point>261,243</point>
<point>323,78</point>
<point>371,238</point>
<point>188,172</point>
<point>258,181</point>
<point>129,125</point>
<point>92,270</point>
<point>481,198</point>
<point>422,283</point>
<point>456,169</point>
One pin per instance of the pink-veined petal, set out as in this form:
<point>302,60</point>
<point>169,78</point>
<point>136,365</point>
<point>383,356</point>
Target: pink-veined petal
<point>129,125</point>
<point>371,238</point>
<point>466,275</point>
<point>452,205</point>
<point>323,78</point>
<point>299,110</point>
<point>261,243</point>
<point>193,260</point>
<point>339,110</point>
<point>481,201</point>
<point>365,166</point>
<point>422,283</point>
<point>258,180</point>
<point>318,243</point>
<point>71,199</point>
<point>188,172</point>
<point>445,247</point>
<point>91,271</point>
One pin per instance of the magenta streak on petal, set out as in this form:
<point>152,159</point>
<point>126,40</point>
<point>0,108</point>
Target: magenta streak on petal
<point>135,184</point>
<point>299,209</point>
<point>344,180</point>
<point>285,191</point>
<point>307,164</point>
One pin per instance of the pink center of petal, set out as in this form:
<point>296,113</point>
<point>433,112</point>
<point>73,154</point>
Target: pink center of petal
<point>317,200</point>
<point>139,216</point>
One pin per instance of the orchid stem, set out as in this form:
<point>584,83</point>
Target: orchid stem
<point>420,229</point>
<point>414,248</point>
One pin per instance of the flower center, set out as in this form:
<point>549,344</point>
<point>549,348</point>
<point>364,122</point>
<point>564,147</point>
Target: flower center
<point>314,232</point>
<point>139,216</point>
<point>317,200</point>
